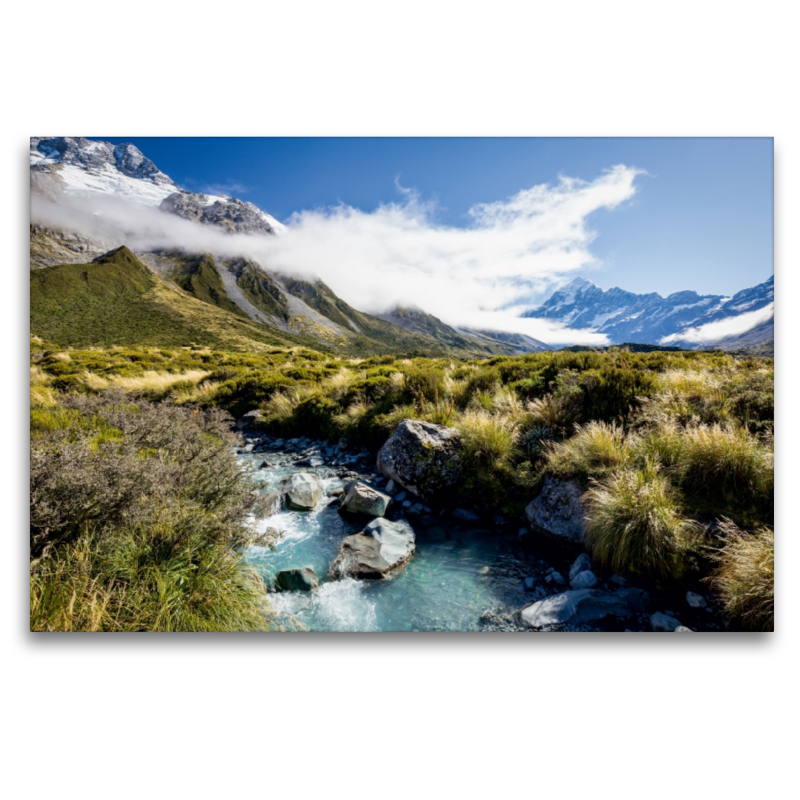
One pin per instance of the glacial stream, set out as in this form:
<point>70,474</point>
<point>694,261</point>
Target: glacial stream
<point>464,576</point>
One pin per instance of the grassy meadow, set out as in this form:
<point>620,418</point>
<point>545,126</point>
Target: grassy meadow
<point>674,450</point>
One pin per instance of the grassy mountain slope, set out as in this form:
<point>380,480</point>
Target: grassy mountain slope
<point>199,276</point>
<point>419,321</point>
<point>260,289</point>
<point>365,331</point>
<point>117,300</point>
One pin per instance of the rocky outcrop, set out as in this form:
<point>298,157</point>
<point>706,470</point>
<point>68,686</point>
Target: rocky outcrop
<point>422,457</point>
<point>302,491</point>
<point>363,499</point>
<point>559,511</point>
<point>297,580</point>
<point>379,551</point>
<point>580,606</point>
<point>234,216</point>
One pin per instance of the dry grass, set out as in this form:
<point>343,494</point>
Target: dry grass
<point>635,525</point>
<point>745,576</point>
<point>596,449</point>
<point>152,382</point>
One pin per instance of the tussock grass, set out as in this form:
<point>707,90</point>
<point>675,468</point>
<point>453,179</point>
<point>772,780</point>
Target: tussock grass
<point>153,383</point>
<point>596,449</point>
<point>635,525</point>
<point>744,577</point>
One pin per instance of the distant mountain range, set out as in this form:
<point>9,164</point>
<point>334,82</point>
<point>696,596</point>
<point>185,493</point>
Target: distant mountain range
<point>261,305</point>
<point>652,319</point>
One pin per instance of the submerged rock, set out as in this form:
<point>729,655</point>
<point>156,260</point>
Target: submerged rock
<point>302,491</point>
<point>422,457</point>
<point>363,499</point>
<point>463,515</point>
<point>575,607</point>
<point>378,551</point>
<point>559,511</point>
<point>297,580</point>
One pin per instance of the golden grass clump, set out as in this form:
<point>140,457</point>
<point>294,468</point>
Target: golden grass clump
<point>635,525</point>
<point>597,448</point>
<point>154,383</point>
<point>744,577</point>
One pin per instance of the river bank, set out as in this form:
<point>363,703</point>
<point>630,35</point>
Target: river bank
<point>468,573</point>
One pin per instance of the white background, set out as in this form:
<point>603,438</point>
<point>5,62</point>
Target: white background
<point>396,716</point>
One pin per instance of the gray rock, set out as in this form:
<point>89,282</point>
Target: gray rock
<point>422,457</point>
<point>249,420</point>
<point>584,580</point>
<point>695,600</point>
<point>297,580</point>
<point>559,511</point>
<point>463,515</point>
<point>302,491</point>
<point>581,563</point>
<point>574,607</point>
<point>391,488</point>
<point>363,499</point>
<point>637,599</point>
<point>683,629</point>
<point>663,622</point>
<point>401,497</point>
<point>529,583</point>
<point>416,509</point>
<point>380,550</point>
<point>555,577</point>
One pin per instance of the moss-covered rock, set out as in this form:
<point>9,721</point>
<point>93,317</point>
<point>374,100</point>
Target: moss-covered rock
<point>423,458</point>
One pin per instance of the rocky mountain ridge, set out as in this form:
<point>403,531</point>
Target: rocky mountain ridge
<point>646,318</point>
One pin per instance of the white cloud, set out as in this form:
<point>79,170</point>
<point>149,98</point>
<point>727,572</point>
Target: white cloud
<point>714,331</point>
<point>399,254</point>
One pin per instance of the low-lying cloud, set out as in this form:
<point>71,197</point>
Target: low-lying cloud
<point>398,254</point>
<point>714,331</point>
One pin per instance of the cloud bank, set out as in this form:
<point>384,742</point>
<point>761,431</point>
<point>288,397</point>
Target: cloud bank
<point>398,254</point>
<point>714,331</point>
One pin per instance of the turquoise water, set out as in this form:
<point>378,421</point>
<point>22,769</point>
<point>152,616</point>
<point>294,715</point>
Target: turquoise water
<point>462,577</point>
<point>456,575</point>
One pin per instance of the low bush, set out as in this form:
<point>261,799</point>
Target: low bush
<point>138,516</point>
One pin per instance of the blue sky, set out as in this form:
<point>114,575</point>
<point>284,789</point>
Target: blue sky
<point>701,217</point>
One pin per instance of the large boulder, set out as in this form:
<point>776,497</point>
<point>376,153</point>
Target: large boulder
<point>380,550</point>
<point>302,491</point>
<point>363,499</point>
<point>559,511</point>
<point>422,457</point>
<point>297,580</point>
<point>576,607</point>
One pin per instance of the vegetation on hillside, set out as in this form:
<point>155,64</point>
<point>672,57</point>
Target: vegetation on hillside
<point>138,519</point>
<point>666,443</point>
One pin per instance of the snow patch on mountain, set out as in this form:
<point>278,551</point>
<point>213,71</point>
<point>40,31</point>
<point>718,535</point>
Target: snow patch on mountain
<point>714,331</point>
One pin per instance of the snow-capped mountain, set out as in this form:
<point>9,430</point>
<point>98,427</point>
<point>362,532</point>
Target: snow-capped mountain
<point>646,318</point>
<point>83,167</point>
